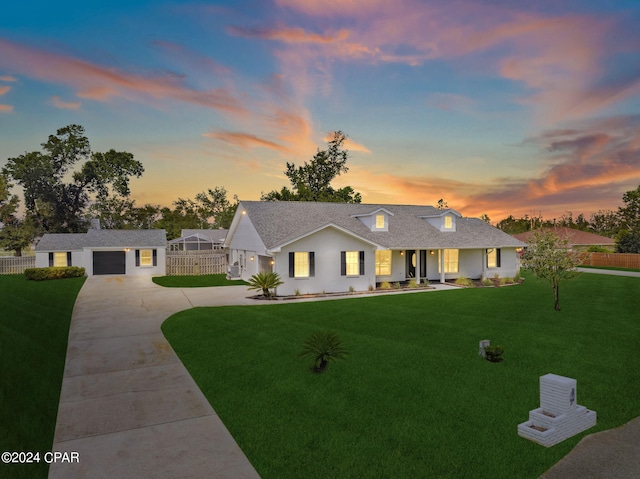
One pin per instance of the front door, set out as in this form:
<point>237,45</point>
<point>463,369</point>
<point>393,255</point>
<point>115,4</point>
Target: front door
<point>410,256</point>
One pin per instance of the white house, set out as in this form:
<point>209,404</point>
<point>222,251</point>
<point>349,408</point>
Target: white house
<point>130,252</point>
<point>335,247</point>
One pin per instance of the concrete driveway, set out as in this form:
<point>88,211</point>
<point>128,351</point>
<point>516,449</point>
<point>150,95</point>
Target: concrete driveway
<point>128,406</point>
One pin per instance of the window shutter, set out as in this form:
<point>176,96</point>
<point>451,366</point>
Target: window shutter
<point>292,264</point>
<point>343,263</point>
<point>137,257</point>
<point>50,259</point>
<point>155,257</point>
<point>312,264</point>
<point>498,257</point>
<point>68,258</point>
<point>361,263</point>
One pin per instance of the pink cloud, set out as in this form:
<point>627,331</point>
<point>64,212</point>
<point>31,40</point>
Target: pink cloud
<point>4,89</point>
<point>66,105</point>
<point>557,59</point>
<point>8,78</point>
<point>6,108</point>
<point>244,140</point>
<point>103,83</point>
<point>287,35</point>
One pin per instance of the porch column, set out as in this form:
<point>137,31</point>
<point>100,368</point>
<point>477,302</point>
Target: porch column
<point>418,266</point>
<point>441,253</point>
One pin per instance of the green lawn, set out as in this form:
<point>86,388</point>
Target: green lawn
<point>196,281</point>
<point>414,399</point>
<point>34,328</point>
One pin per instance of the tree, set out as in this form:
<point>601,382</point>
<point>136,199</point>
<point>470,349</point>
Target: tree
<point>15,234</point>
<point>56,204</point>
<point>212,203</point>
<point>605,223</point>
<point>548,257</point>
<point>442,204</point>
<point>115,212</point>
<point>628,239</point>
<point>312,181</point>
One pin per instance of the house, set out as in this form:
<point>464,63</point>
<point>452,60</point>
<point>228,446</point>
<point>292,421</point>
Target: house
<point>198,240</point>
<point>335,247</point>
<point>577,240</point>
<point>130,252</point>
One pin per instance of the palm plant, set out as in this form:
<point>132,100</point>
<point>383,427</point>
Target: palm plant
<point>322,347</point>
<point>265,282</point>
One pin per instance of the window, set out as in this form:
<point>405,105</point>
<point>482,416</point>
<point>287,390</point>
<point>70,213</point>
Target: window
<point>450,261</point>
<point>146,257</point>
<point>493,258</point>
<point>448,222</point>
<point>60,259</point>
<point>351,263</point>
<point>301,264</point>
<point>380,222</point>
<point>383,262</point>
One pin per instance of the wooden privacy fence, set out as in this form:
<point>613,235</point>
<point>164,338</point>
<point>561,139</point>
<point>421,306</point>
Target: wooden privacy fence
<point>16,264</point>
<point>181,263</point>
<point>618,260</point>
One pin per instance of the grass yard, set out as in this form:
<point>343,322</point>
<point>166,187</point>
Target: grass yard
<point>413,399</point>
<point>203,281</point>
<point>34,328</point>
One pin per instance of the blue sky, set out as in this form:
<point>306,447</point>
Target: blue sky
<point>498,107</point>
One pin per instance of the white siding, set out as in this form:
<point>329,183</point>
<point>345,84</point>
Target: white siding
<point>326,245</point>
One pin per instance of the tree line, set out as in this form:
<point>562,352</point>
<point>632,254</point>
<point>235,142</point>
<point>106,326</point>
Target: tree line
<point>66,185</point>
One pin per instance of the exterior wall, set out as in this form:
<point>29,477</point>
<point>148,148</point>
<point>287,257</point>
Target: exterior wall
<point>326,245</point>
<point>244,245</point>
<point>130,261</point>
<point>42,259</point>
<point>472,264</point>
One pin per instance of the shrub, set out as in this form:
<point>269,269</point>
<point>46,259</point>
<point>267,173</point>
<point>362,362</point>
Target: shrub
<point>53,272</point>
<point>265,282</point>
<point>487,282</point>
<point>494,353</point>
<point>413,283</point>
<point>385,285</point>
<point>396,285</point>
<point>322,347</point>
<point>371,288</point>
<point>516,278</point>
<point>352,289</point>
<point>464,282</point>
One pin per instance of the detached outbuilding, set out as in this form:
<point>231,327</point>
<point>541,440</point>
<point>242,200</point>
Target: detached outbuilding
<point>101,252</point>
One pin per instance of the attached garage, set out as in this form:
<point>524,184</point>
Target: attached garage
<point>109,262</point>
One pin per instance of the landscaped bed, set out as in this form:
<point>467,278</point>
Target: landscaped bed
<point>34,328</point>
<point>413,398</point>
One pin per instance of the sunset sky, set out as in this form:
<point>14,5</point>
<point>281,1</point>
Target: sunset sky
<point>499,107</point>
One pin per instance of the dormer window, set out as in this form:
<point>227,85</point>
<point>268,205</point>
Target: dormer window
<point>377,220</point>
<point>448,222</point>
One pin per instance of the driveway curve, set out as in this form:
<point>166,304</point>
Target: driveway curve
<point>128,406</point>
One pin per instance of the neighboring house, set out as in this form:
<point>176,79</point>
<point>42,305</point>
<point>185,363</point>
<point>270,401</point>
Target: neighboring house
<point>198,240</point>
<point>130,252</point>
<point>577,240</point>
<point>335,247</point>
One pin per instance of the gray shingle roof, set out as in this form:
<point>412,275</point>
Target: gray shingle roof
<point>102,238</point>
<point>217,235</point>
<point>279,223</point>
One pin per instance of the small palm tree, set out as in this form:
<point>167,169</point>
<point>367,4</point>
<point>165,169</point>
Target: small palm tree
<point>322,347</point>
<point>266,282</point>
